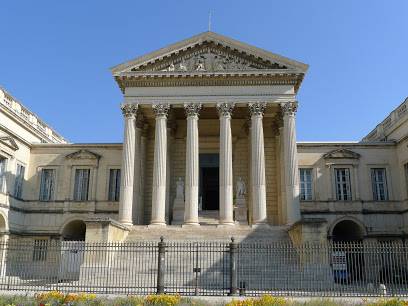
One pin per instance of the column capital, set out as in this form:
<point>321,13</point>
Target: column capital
<point>161,110</point>
<point>289,108</point>
<point>257,108</point>
<point>225,109</point>
<point>192,109</point>
<point>129,110</point>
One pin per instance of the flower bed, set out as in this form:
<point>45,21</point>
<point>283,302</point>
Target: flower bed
<point>55,298</point>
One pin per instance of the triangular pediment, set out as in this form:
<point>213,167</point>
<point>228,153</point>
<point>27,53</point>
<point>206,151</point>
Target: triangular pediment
<point>83,154</point>
<point>341,154</point>
<point>9,142</point>
<point>209,52</point>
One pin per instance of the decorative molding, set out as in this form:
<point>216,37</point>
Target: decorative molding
<point>257,109</point>
<point>192,109</point>
<point>129,110</point>
<point>161,110</point>
<point>83,154</point>
<point>209,57</point>
<point>225,109</point>
<point>289,108</point>
<point>9,142</point>
<point>341,154</point>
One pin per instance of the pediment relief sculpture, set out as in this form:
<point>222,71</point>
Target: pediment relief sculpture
<point>341,154</point>
<point>209,58</point>
<point>83,154</point>
<point>9,142</point>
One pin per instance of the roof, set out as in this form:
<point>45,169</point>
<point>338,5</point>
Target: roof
<point>209,55</point>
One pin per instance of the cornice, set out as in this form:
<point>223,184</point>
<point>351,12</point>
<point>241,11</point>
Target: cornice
<point>201,39</point>
<point>25,122</point>
<point>208,80</point>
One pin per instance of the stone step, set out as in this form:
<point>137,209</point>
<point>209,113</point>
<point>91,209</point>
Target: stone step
<point>208,233</point>
<point>208,217</point>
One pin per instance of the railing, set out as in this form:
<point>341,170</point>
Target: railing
<point>30,118</point>
<point>206,268</point>
<point>392,119</point>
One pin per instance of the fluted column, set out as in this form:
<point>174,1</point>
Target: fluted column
<point>137,199</point>
<point>258,191</point>
<point>192,169</point>
<point>290,162</point>
<point>128,164</point>
<point>226,180</point>
<point>160,165</point>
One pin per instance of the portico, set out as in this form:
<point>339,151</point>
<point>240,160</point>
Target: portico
<point>209,96</point>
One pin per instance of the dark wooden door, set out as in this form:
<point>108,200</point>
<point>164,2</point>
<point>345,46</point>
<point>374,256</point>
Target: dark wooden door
<point>210,191</point>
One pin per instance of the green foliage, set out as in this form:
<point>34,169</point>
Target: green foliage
<point>55,298</point>
<point>388,302</point>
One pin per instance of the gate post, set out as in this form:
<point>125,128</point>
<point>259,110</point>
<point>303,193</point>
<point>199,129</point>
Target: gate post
<point>233,246</point>
<point>161,266</point>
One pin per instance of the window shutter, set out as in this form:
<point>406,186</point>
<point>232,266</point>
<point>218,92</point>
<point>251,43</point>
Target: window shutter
<point>374,184</point>
<point>118,185</point>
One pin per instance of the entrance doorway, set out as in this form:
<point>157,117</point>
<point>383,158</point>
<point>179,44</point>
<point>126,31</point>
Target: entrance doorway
<point>209,181</point>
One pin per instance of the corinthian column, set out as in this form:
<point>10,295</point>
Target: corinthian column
<point>128,164</point>
<point>226,182</point>
<point>160,165</point>
<point>137,191</point>
<point>258,191</point>
<point>192,170</point>
<point>290,162</point>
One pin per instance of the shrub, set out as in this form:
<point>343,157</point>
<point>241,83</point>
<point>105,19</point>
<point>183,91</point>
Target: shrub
<point>266,300</point>
<point>58,298</point>
<point>390,302</point>
<point>162,300</point>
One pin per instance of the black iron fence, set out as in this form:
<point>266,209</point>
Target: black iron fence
<point>206,268</point>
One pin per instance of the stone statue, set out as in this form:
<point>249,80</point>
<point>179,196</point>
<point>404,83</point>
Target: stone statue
<point>241,189</point>
<point>200,66</point>
<point>180,189</point>
<point>172,67</point>
<point>182,66</point>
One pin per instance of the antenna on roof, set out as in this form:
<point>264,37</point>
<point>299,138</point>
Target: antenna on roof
<point>209,21</point>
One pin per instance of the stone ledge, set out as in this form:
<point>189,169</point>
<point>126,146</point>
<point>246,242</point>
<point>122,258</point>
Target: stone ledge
<point>106,221</point>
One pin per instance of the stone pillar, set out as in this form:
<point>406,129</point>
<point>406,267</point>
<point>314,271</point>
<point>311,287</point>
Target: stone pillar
<point>258,191</point>
<point>226,179</point>
<point>137,203</point>
<point>160,165</point>
<point>143,141</point>
<point>192,169</point>
<point>290,162</point>
<point>128,164</point>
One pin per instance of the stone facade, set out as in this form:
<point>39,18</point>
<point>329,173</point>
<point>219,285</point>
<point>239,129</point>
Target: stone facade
<point>208,112</point>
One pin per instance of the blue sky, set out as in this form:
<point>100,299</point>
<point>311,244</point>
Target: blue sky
<point>55,56</point>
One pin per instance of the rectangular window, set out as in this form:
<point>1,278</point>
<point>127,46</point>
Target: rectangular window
<point>379,183</point>
<point>305,184</point>
<point>342,180</point>
<point>3,162</point>
<point>47,184</point>
<point>81,185</point>
<point>40,250</point>
<point>18,185</point>
<point>114,185</point>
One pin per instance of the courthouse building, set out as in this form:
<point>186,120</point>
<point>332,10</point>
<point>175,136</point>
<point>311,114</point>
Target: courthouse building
<point>209,147</point>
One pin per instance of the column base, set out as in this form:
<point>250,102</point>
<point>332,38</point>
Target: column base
<point>226,224</point>
<point>155,225</point>
<point>260,225</point>
<point>126,223</point>
<point>193,224</point>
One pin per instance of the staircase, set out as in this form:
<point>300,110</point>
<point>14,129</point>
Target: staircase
<point>209,232</point>
<point>208,217</point>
